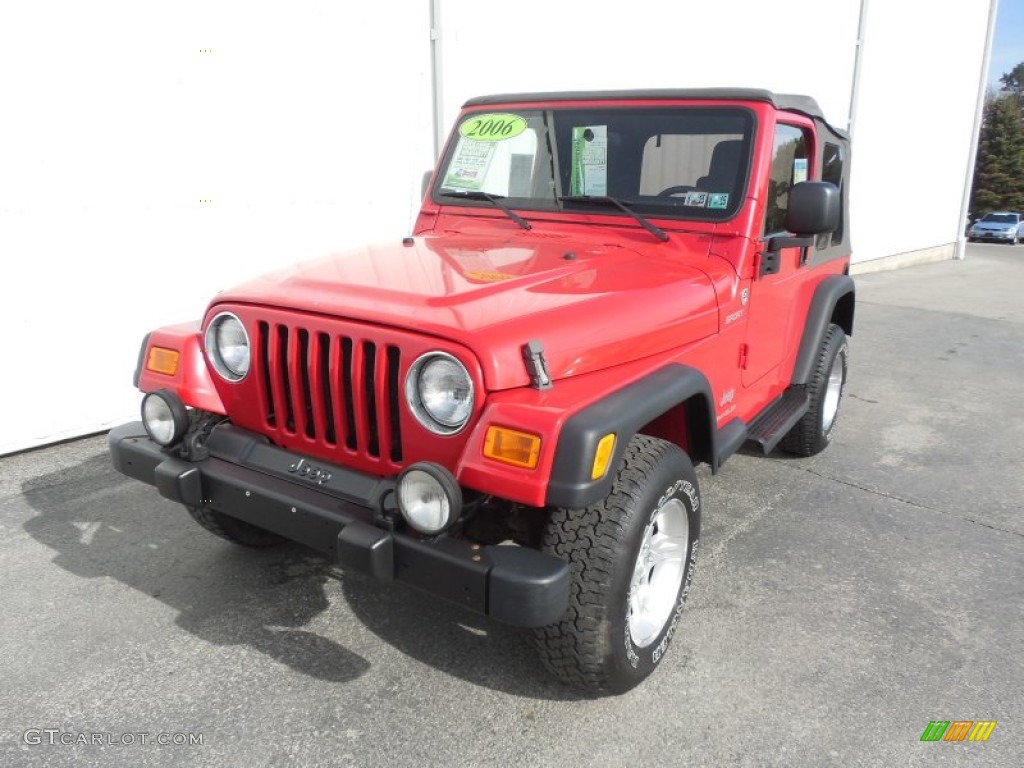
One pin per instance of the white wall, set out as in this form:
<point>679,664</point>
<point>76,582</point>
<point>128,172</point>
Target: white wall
<point>912,138</point>
<point>787,46</point>
<point>307,126</point>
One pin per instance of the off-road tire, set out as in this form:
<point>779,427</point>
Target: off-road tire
<point>811,434</point>
<point>234,530</point>
<point>591,647</point>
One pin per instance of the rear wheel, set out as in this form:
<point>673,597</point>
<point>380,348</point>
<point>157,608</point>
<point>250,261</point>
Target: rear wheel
<point>825,389</point>
<point>632,558</point>
<point>232,529</point>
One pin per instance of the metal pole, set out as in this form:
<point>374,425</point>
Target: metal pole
<point>960,250</point>
<point>436,64</point>
<point>859,50</point>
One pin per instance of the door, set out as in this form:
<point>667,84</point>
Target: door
<point>772,297</point>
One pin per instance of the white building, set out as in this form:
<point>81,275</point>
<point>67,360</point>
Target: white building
<point>151,155</point>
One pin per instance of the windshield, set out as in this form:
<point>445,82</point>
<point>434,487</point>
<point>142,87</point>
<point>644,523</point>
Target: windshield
<point>1001,218</point>
<point>671,162</point>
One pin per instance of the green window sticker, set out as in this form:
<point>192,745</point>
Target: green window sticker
<point>718,200</point>
<point>496,126</point>
<point>589,160</point>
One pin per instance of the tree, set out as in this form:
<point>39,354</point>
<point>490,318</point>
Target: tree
<point>999,169</point>
<point>1013,82</point>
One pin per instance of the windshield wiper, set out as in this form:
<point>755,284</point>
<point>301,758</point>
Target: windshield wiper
<point>605,200</point>
<point>493,200</point>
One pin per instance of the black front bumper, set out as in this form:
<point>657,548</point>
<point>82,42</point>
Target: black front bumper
<point>249,479</point>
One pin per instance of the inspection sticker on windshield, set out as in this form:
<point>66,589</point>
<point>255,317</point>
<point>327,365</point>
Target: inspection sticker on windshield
<point>718,200</point>
<point>468,168</point>
<point>696,199</point>
<point>498,126</point>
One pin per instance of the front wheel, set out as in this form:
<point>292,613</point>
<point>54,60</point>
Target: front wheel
<point>631,556</point>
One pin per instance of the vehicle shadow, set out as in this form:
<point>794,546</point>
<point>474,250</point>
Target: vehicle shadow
<point>453,639</point>
<point>102,524</point>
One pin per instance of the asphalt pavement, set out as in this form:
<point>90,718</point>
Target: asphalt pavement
<point>841,603</point>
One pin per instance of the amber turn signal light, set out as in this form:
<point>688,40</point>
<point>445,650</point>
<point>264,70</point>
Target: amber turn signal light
<point>603,456</point>
<point>162,360</point>
<point>512,447</point>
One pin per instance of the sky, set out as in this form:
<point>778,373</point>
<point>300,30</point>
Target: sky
<point>1008,46</point>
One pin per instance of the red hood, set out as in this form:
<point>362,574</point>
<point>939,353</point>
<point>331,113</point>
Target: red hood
<point>609,305</point>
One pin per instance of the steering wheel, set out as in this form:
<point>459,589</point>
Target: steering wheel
<point>678,189</point>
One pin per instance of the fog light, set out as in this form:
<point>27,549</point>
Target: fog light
<point>165,417</point>
<point>428,497</point>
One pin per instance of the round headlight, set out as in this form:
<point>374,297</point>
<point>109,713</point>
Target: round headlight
<point>440,393</point>
<point>227,345</point>
<point>428,497</point>
<point>165,417</point>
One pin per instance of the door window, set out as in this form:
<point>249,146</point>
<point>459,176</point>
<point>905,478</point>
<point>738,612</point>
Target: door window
<point>790,165</point>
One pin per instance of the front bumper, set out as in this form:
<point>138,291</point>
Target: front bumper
<point>249,479</point>
<point>995,236</point>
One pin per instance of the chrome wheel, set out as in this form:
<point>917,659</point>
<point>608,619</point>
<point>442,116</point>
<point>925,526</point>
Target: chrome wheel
<point>833,391</point>
<point>658,572</point>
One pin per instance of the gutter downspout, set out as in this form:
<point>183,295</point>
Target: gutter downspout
<point>857,55</point>
<point>851,117</point>
<point>436,76</point>
<point>960,250</point>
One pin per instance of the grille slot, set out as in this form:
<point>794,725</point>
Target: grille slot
<point>394,358</point>
<point>263,352</point>
<point>331,389</point>
<point>324,392</point>
<point>346,390</point>
<point>304,399</point>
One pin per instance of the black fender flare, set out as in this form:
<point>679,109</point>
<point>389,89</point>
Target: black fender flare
<point>142,360</point>
<point>623,412</point>
<point>827,294</point>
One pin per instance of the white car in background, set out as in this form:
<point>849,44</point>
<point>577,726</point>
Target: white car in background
<point>997,227</point>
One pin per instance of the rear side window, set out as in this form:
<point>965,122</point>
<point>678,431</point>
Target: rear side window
<point>832,171</point>
<point>789,167</point>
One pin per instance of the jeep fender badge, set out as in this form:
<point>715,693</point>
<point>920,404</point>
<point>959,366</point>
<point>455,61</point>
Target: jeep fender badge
<point>536,365</point>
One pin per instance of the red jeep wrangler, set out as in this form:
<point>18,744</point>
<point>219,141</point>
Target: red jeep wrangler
<point>504,409</point>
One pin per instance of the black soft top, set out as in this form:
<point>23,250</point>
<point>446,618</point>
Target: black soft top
<point>789,102</point>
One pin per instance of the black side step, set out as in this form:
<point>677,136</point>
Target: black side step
<point>775,422</point>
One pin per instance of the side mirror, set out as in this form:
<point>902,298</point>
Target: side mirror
<point>814,209</point>
<point>425,184</point>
